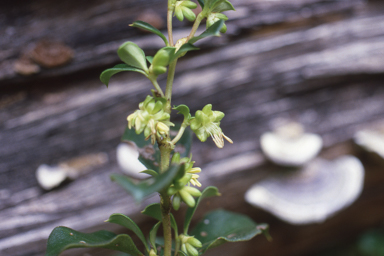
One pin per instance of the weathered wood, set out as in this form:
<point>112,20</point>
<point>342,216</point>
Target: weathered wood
<point>323,68</point>
<point>104,27</point>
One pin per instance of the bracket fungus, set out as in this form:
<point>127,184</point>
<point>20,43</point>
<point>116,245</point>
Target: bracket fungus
<point>372,140</point>
<point>312,193</point>
<point>128,160</point>
<point>50,177</point>
<point>288,145</point>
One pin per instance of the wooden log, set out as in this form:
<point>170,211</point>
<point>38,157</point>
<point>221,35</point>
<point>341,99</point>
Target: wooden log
<point>104,27</point>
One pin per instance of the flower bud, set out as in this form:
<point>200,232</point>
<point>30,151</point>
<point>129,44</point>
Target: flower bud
<point>193,191</point>
<point>179,14</point>
<point>161,58</point>
<point>194,242</point>
<point>172,190</point>
<point>189,14</point>
<point>187,198</point>
<point>152,253</point>
<point>176,202</point>
<point>189,4</point>
<point>191,250</point>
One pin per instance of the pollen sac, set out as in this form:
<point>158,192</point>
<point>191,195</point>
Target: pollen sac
<point>151,119</point>
<point>183,9</point>
<point>207,123</point>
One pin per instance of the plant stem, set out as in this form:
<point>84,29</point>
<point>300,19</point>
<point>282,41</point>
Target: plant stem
<point>165,202</point>
<point>168,88</point>
<point>180,133</point>
<point>169,25</point>
<point>157,86</point>
<point>196,25</point>
<point>165,199</point>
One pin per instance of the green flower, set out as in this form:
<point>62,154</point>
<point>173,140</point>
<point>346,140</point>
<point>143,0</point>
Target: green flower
<point>151,119</point>
<point>190,171</point>
<point>213,10</point>
<point>183,9</point>
<point>189,245</point>
<point>213,17</point>
<point>207,123</point>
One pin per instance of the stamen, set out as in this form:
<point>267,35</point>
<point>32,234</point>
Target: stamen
<point>227,138</point>
<point>195,170</point>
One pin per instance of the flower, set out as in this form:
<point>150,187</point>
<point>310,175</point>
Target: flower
<point>151,119</point>
<point>189,245</point>
<point>207,123</point>
<point>190,171</point>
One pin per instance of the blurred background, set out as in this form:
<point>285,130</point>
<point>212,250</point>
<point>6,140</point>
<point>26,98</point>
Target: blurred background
<point>318,63</point>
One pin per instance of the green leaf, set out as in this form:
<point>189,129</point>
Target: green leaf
<point>211,4</point>
<point>149,59</point>
<point>183,49</point>
<point>184,110</point>
<point>148,27</point>
<point>63,238</point>
<point>149,155</point>
<point>131,54</point>
<point>108,73</point>
<point>154,211</point>
<point>150,172</point>
<point>142,189</point>
<point>208,192</point>
<point>220,226</point>
<point>152,235</point>
<point>223,6</point>
<point>213,30</point>
<point>125,221</point>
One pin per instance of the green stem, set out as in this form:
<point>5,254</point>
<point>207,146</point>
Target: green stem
<point>196,25</point>
<point>165,199</point>
<point>165,202</point>
<point>177,246</point>
<point>169,25</point>
<point>156,85</point>
<point>180,133</point>
<point>168,88</point>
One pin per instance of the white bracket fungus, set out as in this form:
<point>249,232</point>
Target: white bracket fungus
<point>128,160</point>
<point>312,193</point>
<point>290,146</point>
<point>371,140</point>
<point>50,177</point>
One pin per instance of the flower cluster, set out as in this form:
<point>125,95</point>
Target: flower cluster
<point>189,245</point>
<point>183,9</point>
<point>207,123</point>
<point>181,189</point>
<point>151,119</point>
